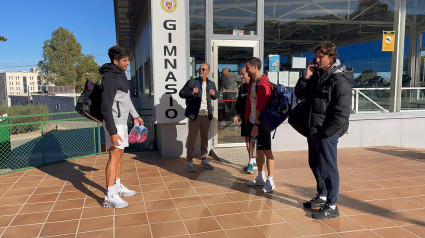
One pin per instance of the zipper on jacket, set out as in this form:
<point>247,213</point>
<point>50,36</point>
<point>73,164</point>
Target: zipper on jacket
<point>119,111</point>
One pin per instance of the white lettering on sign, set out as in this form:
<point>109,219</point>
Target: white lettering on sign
<point>170,59</point>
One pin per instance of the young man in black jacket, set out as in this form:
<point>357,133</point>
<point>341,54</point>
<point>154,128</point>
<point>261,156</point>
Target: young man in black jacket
<point>327,83</point>
<point>198,93</point>
<point>116,106</point>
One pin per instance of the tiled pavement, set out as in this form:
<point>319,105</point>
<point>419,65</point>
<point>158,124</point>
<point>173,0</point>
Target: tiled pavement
<point>382,194</point>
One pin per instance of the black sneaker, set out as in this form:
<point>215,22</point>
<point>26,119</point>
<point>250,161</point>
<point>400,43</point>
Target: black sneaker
<point>326,212</point>
<point>315,202</point>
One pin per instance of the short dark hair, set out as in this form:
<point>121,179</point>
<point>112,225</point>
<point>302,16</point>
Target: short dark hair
<point>116,52</point>
<point>254,61</point>
<point>327,48</point>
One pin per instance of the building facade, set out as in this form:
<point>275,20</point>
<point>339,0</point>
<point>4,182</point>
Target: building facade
<point>167,36</point>
<point>17,83</point>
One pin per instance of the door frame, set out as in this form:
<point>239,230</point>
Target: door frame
<point>255,45</point>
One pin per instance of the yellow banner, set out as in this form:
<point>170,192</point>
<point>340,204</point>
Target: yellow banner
<point>388,38</point>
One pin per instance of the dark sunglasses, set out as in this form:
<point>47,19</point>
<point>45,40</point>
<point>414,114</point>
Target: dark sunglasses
<point>203,69</point>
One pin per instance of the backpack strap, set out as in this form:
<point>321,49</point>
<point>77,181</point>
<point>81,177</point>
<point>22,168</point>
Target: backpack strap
<point>274,133</point>
<point>256,84</point>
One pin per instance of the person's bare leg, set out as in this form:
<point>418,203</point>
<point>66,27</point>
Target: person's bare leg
<point>260,160</point>
<point>270,162</point>
<point>247,143</point>
<point>115,156</point>
<point>118,173</point>
<point>112,198</point>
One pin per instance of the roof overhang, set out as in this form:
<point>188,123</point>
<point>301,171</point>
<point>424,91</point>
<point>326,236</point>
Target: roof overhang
<point>127,14</point>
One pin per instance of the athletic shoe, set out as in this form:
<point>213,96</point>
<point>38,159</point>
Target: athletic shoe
<point>114,201</point>
<point>206,165</point>
<point>258,181</point>
<point>326,212</point>
<point>143,134</point>
<point>190,168</point>
<point>268,187</point>
<point>132,138</point>
<point>250,169</point>
<point>125,192</point>
<point>254,166</point>
<point>315,202</point>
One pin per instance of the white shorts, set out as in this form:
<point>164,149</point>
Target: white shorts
<point>122,130</point>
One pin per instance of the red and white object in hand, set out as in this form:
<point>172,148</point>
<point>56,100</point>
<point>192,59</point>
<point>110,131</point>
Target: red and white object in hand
<point>138,134</point>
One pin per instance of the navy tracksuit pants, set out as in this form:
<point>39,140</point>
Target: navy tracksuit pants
<point>322,158</point>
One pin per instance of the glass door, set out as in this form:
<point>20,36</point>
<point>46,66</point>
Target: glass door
<point>228,59</point>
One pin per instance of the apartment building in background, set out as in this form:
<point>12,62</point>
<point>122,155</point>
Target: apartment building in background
<point>18,83</point>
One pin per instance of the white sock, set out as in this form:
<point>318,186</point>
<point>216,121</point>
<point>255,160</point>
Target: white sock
<point>270,178</point>
<point>117,184</point>
<point>251,160</point>
<point>323,197</point>
<point>111,190</point>
<point>332,206</point>
<point>261,174</point>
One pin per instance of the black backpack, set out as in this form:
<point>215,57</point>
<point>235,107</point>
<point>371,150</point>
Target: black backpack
<point>88,104</point>
<point>282,100</point>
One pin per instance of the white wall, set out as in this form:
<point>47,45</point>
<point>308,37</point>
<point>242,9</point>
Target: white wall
<point>406,129</point>
<point>386,129</point>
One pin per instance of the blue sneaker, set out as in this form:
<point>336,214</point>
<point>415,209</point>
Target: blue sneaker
<point>254,165</point>
<point>250,169</point>
<point>268,187</point>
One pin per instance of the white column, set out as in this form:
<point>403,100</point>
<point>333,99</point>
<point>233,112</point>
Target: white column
<point>397,57</point>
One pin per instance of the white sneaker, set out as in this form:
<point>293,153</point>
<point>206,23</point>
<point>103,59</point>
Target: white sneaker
<point>268,187</point>
<point>125,192</point>
<point>258,181</point>
<point>114,201</point>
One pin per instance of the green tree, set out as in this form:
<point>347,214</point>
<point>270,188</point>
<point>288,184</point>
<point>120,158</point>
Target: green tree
<point>63,63</point>
<point>87,69</point>
<point>2,38</point>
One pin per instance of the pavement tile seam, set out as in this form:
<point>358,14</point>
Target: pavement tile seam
<point>86,232</point>
<point>208,208</point>
<point>388,227</point>
<point>11,222</point>
<point>52,208</point>
<point>143,200</point>
<point>407,187</point>
<point>171,198</point>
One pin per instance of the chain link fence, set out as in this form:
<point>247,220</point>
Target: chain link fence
<point>26,145</point>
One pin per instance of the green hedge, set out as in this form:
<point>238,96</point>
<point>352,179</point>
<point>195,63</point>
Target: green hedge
<point>19,110</point>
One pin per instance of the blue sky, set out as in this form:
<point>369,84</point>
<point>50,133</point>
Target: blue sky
<point>27,24</point>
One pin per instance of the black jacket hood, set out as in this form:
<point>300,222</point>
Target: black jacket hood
<point>110,67</point>
<point>338,68</point>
